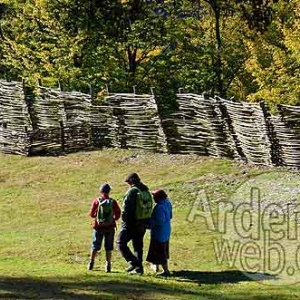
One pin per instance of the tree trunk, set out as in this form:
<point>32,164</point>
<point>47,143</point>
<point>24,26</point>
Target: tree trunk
<point>215,5</point>
<point>132,64</point>
<point>218,65</point>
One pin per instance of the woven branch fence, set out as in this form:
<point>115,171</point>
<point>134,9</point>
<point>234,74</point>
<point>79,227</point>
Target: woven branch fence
<point>219,127</point>
<point>52,122</point>
<point>240,130</point>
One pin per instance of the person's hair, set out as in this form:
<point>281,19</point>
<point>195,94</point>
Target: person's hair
<point>159,194</point>
<point>105,188</point>
<point>133,178</point>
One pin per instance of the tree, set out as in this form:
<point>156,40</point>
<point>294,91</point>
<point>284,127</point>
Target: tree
<point>215,46</point>
<point>274,62</point>
<point>35,45</point>
<point>4,8</point>
<point>118,38</point>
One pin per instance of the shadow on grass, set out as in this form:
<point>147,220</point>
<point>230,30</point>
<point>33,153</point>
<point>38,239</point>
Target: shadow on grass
<point>116,286</point>
<point>232,276</point>
<point>90,287</point>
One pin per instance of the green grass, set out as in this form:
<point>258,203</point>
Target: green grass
<point>45,229</point>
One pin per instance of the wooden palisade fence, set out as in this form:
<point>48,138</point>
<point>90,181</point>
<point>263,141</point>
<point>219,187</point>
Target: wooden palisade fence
<point>51,121</point>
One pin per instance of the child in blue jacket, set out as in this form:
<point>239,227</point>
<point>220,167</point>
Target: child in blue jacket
<point>160,225</point>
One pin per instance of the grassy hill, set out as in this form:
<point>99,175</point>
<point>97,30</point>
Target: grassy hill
<point>45,229</point>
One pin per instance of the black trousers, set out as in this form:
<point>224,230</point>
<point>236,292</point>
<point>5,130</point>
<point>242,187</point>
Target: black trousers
<point>137,238</point>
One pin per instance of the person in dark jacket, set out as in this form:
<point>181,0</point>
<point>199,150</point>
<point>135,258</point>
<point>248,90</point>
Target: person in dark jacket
<point>132,227</point>
<point>160,225</point>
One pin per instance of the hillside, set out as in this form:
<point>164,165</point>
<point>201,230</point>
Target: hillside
<point>45,229</point>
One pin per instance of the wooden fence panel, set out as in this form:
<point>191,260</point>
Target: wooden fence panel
<point>77,138</point>
<point>60,122</point>
<point>131,121</point>
<point>99,126</point>
<point>14,118</point>
<point>47,109</point>
<point>45,141</point>
<point>287,133</point>
<point>249,131</point>
<point>54,122</point>
<point>13,108</point>
<point>201,128</point>
<point>14,142</point>
<point>192,125</point>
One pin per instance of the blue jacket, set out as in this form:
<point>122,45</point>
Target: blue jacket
<point>160,222</point>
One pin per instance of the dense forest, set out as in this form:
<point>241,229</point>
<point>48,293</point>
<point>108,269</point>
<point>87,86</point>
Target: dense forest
<point>248,50</point>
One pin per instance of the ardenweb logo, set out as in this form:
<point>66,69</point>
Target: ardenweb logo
<point>257,229</point>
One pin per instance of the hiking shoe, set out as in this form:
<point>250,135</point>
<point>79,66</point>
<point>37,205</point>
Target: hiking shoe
<point>164,274</point>
<point>90,265</point>
<point>131,267</point>
<point>155,268</point>
<point>138,270</point>
<point>108,267</point>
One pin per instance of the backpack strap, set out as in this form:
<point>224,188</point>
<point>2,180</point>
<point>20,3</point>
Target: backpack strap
<point>100,200</point>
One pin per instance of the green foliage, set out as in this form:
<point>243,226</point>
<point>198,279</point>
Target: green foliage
<point>245,49</point>
<point>274,61</point>
<point>35,45</point>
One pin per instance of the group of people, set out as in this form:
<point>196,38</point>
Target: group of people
<point>137,215</point>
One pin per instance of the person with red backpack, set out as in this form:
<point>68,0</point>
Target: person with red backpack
<point>105,212</point>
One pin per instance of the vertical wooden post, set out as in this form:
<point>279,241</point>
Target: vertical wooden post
<point>121,131</point>
<point>91,92</point>
<point>226,117</point>
<point>62,136</point>
<point>24,85</point>
<point>274,144</point>
<point>279,108</point>
<point>60,87</point>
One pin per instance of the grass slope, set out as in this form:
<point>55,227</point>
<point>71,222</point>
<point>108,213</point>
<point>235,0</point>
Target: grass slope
<point>45,230</point>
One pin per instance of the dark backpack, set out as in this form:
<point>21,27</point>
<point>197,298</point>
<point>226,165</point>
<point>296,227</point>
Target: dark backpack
<point>144,204</point>
<point>105,214</point>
